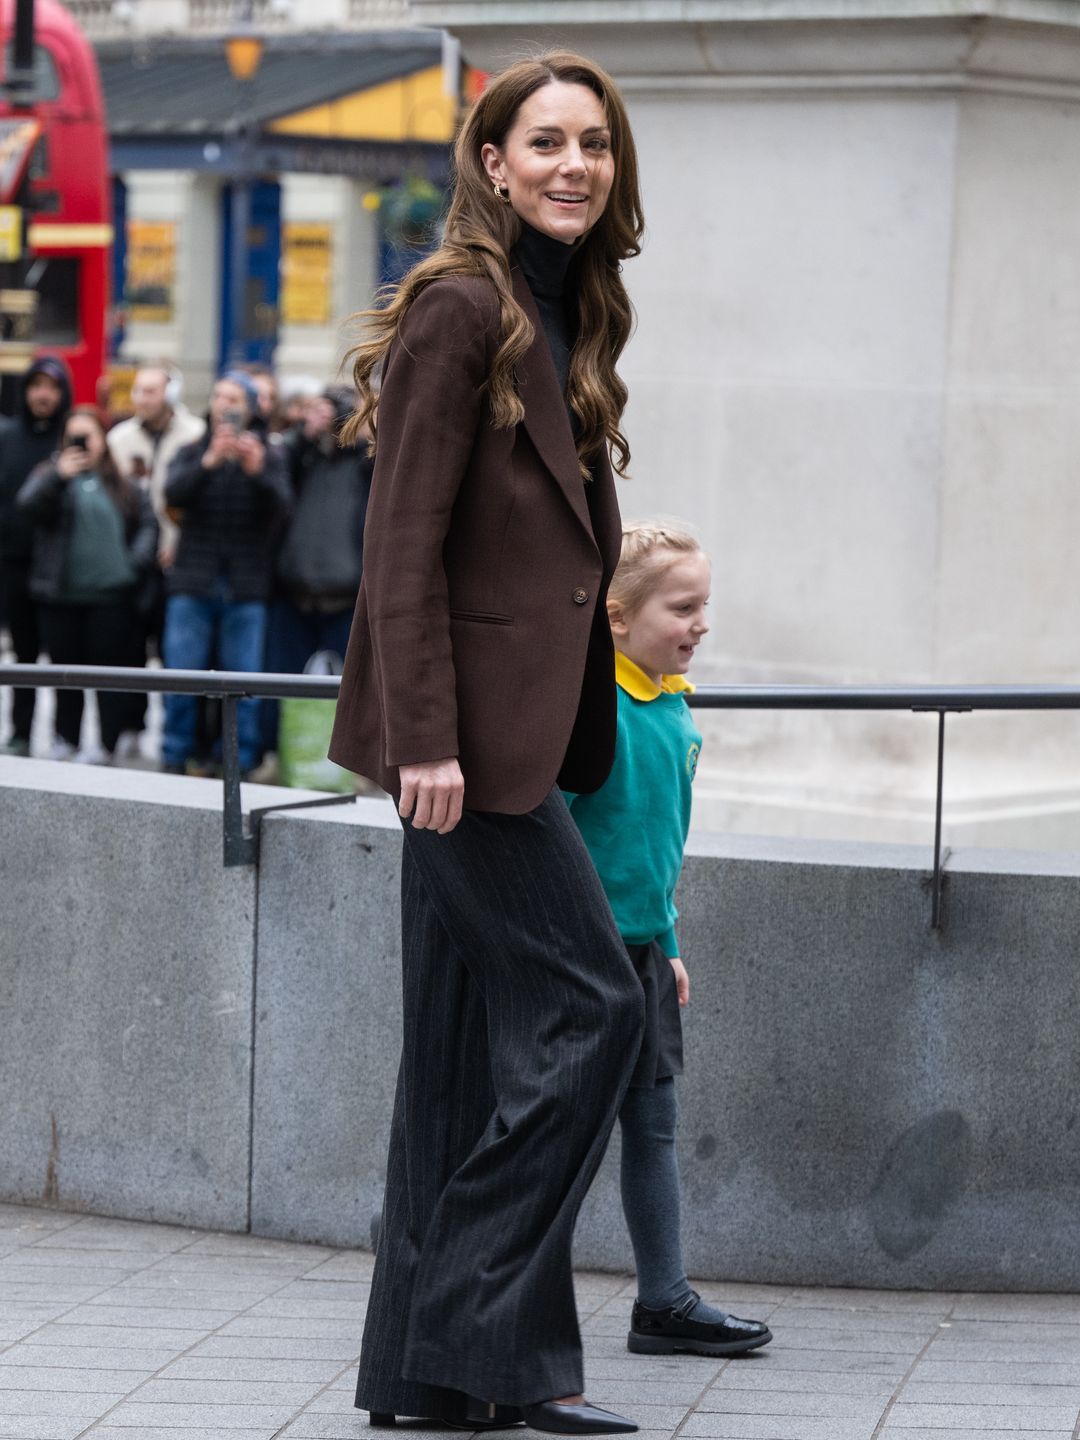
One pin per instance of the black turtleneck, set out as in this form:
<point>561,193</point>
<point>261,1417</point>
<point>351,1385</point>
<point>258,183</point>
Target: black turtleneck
<point>544,262</point>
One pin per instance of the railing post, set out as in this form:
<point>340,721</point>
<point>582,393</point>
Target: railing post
<point>239,848</point>
<point>938,881</point>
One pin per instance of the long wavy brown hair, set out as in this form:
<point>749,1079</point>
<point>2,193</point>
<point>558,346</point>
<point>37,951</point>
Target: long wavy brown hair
<point>481,230</point>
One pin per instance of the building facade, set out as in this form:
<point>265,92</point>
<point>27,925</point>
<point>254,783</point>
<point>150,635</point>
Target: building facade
<point>857,372</point>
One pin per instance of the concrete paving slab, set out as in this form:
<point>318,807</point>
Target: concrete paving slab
<point>294,1307</point>
<point>785,1402</point>
<point>950,1433</point>
<point>312,1372</point>
<point>184,1416</point>
<point>49,1378</point>
<point>149,1317</point>
<point>74,1357</point>
<point>155,1432</point>
<point>106,1335</point>
<point>773,1381</point>
<point>42,1427</point>
<point>96,1232</point>
<point>936,1392</point>
<point>984,1417</point>
<point>976,1372</point>
<point>280,1347</point>
<point>772,1427</point>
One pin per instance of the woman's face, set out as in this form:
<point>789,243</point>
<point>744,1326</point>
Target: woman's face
<point>556,163</point>
<point>83,426</point>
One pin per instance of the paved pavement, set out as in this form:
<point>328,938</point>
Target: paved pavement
<point>123,1331</point>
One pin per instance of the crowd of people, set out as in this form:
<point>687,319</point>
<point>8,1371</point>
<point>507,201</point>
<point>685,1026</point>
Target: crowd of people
<point>232,541</point>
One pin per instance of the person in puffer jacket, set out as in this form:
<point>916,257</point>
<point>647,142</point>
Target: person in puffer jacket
<point>321,558</point>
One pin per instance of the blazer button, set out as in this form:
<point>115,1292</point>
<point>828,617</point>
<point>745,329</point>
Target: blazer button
<point>581,596</point>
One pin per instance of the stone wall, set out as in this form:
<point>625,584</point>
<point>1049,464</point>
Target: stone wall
<point>866,1101</point>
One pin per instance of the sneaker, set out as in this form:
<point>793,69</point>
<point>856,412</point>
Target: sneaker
<point>92,755</point>
<point>60,750</point>
<point>127,745</point>
<point>16,746</point>
<point>663,1332</point>
<point>266,773</point>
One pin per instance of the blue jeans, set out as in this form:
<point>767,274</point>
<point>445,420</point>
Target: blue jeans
<point>293,636</point>
<point>197,630</point>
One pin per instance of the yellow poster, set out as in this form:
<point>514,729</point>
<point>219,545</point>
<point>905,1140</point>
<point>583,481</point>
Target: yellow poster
<point>150,283</point>
<point>306,274</point>
<point>11,233</point>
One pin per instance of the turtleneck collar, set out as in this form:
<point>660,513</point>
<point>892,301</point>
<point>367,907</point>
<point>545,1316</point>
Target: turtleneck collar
<point>544,260</point>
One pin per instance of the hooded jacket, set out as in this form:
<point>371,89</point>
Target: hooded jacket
<point>322,556</point>
<point>24,444</point>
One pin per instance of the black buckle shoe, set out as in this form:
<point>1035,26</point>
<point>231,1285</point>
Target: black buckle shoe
<point>665,1332</point>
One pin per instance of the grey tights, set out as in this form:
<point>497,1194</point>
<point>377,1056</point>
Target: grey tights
<point>650,1192</point>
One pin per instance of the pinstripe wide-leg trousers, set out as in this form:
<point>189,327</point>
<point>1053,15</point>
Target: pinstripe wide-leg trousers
<point>522,1023</point>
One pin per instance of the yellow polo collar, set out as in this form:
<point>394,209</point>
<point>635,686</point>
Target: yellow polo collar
<point>638,686</point>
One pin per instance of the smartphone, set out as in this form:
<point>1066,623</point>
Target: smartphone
<point>235,418</point>
<point>78,442</point>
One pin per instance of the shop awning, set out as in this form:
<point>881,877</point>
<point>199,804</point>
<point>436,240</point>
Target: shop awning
<point>363,104</point>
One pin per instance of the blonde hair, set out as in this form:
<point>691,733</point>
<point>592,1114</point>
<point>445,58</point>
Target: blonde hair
<point>649,547</point>
<point>482,229</point>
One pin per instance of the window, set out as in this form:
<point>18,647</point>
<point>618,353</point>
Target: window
<point>46,79</point>
<point>57,286</point>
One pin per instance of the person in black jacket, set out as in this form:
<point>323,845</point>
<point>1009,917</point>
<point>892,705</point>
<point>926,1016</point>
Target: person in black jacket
<point>321,558</point>
<point>95,539</point>
<point>232,495</point>
<point>27,438</point>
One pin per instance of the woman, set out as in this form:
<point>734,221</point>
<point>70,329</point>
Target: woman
<point>94,559</point>
<point>480,677</point>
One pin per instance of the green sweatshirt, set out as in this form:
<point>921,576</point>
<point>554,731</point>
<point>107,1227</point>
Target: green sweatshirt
<point>635,825</point>
<point>97,568</point>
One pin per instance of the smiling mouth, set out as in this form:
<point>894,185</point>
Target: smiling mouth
<point>565,197</point>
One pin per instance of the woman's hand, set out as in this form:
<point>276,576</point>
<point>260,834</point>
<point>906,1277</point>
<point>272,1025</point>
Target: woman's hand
<point>251,453</point>
<point>432,793</point>
<point>222,448</point>
<point>72,460</point>
<point>682,979</point>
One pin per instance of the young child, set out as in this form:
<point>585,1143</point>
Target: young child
<point>635,827</point>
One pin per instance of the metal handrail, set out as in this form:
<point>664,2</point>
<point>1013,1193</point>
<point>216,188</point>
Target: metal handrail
<point>241,846</point>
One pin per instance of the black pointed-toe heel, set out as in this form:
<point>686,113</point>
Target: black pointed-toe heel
<point>379,1420</point>
<point>466,1412</point>
<point>583,1419</point>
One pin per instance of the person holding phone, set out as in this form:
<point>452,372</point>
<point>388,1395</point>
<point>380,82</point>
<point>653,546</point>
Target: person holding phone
<point>94,549</point>
<point>232,494</point>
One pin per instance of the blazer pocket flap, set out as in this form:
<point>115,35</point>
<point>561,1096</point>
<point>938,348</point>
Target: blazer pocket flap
<point>482,617</point>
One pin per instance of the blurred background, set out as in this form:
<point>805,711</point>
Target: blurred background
<point>857,364</point>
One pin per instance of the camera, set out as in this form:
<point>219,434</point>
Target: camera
<point>78,442</point>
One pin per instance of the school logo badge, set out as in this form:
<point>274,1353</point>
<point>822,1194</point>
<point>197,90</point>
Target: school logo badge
<point>692,759</point>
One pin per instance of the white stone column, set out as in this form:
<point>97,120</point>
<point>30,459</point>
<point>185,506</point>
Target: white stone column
<point>192,203</point>
<point>337,202</point>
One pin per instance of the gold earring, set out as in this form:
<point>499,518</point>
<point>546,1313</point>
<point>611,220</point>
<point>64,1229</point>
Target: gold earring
<point>498,192</point>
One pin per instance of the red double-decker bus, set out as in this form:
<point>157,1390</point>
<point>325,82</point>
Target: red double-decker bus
<point>68,231</point>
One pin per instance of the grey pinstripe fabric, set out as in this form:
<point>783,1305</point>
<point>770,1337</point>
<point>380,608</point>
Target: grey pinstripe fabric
<point>522,1023</point>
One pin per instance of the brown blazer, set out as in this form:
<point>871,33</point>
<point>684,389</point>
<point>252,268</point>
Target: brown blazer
<point>480,629</point>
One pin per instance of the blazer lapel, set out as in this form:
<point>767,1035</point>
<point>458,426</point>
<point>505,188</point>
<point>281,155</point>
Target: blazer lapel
<point>546,417</point>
